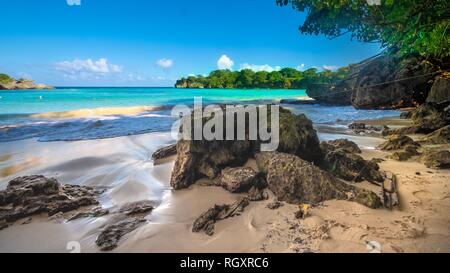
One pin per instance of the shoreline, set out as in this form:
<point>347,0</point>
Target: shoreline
<point>420,224</point>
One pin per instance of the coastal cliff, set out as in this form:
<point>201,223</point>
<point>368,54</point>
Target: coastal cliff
<point>387,82</point>
<point>8,83</point>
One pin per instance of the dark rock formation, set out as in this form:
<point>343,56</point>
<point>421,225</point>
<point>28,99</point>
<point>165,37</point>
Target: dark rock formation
<point>165,152</point>
<point>133,208</point>
<point>201,158</point>
<point>397,142</point>
<point>298,101</point>
<point>332,94</point>
<point>440,91</point>
<point>436,159</point>
<point>30,195</point>
<point>297,181</point>
<point>257,193</point>
<point>350,166</point>
<point>95,212</point>
<point>126,218</point>
<point>239,179</point>
<point>128,209</point>
<point>298,137</point>
<point>408,152</point>
<point>440,136</point>
<point>359,127</point>
<point>205,222</point>
<point>342,161</point>
<point>197,159</point>
<point>112,233</point>
<point>344,144</point>
<point>427,118</point>
<point>22,84</point>
<point>275,205</point>
<point>389,190</point>
<point>387,82</point>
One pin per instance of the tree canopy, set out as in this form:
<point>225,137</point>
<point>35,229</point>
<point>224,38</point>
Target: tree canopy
<point>407,27</point>
<point>286,78</point>
<point>5,78</point>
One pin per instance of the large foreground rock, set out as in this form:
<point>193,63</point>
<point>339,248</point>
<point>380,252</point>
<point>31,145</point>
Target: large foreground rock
<point>297,181</point>
<point>202,158</point>
<point>30,195</point>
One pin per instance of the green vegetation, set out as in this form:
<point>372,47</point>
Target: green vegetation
<point>406,27</point>
<point>5,79</point>
<point>286,78</point>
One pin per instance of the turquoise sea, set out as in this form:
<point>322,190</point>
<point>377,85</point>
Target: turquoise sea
<point>90,113</point>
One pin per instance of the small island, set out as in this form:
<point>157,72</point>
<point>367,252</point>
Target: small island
<point>286,78</point>
<point>9,83</point>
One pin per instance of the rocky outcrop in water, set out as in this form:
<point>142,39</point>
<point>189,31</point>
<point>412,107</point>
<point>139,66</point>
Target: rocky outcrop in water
<point>331,94</point>
<point>31,195</point>
<point>95,212</point>
<point>22,84</point>
<point>126,219</point>
<point>164,152</point>
<point>362,128</point>
<point>112,233</point>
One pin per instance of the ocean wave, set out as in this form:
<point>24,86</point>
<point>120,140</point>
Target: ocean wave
<point>101,111</point>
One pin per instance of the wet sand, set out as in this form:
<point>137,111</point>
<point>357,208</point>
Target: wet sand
<point>124,166</point>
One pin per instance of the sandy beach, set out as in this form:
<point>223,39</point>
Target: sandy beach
<point>124,167</point>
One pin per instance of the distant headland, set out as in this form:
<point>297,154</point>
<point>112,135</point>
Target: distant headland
<point>9,83</point>
<point>286,78</point>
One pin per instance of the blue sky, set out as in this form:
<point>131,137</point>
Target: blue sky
<point>152,43</point>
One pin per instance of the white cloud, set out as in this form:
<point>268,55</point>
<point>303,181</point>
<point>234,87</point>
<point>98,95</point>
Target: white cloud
<point>257,68</point>
<point>98,67</point>
<point>134,78</point>
<point>300,67</point>
<point>329,67</point>
<point>164,63</point>
<point>73,2</point>
<point>225,62</point>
